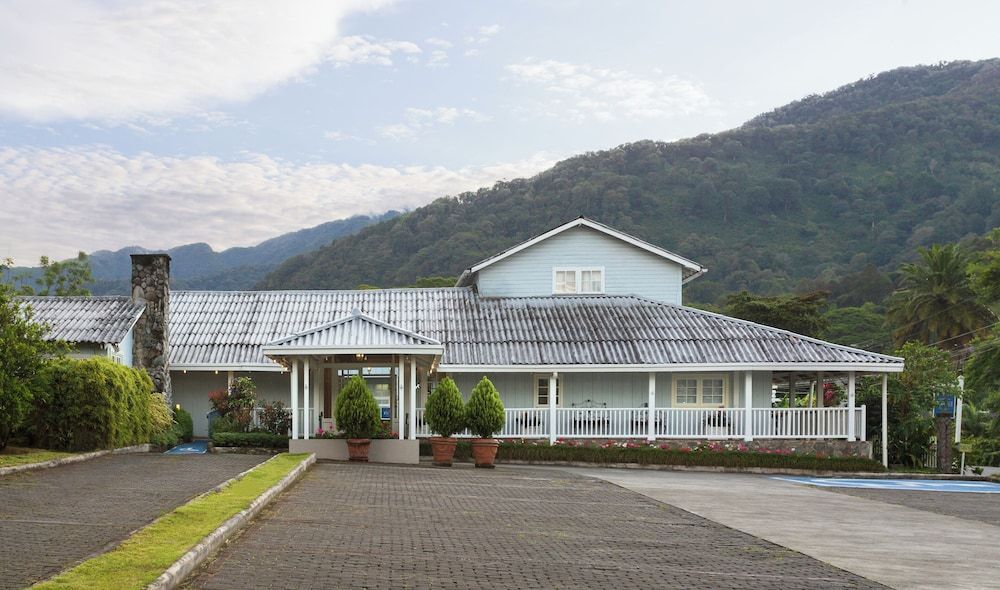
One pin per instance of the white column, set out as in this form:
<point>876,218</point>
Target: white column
<point>412,422</point>
<point>295,398</point>
<point>747,405</point>
<point>819,390</point>
<point>424,378</point>
<point>229,380</point>
<point>851,435</point>
<point>651,407</point>
<point>553,384</point>
<point>400,375</point>
<point>307,422</point>
<point>885,420</point>
<point>958,409</point>
<point>316,393</point>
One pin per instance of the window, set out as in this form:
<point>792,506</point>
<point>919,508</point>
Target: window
<point>568,281</point>
<point>700,390</point>
<point>542,391</point>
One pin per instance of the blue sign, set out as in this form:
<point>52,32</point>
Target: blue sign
<point>945,405</point>
<point>386,413</point>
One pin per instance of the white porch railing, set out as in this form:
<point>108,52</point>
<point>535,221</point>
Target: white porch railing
<point>707,423</point>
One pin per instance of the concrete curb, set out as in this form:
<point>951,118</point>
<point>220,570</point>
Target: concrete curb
<point>144,448</point>
<point>176,573</point>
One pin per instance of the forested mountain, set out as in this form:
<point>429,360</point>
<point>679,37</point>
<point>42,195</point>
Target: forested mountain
<point>197,266</point>
<point>810,194</point>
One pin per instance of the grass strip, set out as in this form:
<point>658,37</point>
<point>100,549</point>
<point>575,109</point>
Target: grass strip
<point>12,457</point>
<point>141,558</point>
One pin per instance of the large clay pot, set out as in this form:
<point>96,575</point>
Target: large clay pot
<point>443,450</point>
<point>357,448</point>
<point>484,452</point>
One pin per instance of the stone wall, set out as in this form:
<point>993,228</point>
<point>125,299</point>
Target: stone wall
<point>151,347</point>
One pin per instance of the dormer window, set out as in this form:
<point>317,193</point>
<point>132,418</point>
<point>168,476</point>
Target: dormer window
<point>571,281</point>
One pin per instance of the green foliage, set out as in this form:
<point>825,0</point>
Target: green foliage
<point>165,439</point>
<point>274,418</point>
<point>82,405</point>
<point>357,412</point>
<point>445,409</point>
<point>645,455</point>
<point>802,314</point>
<point>184,425</point>
<point>984,270</point>
<point>242,401</point>
<point>860,327</point>
<point>982,370</point>
<point>265,440</point>
<point>224,424</point>
<point>23,355</point>
<point>936,304</point>
<point>427,282</point>
<point>484,413</point>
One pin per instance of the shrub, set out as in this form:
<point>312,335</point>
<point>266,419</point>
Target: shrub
<point>82,405</point>
<point>250,439</point>
<point>357,412</point>
<point>167,438</point>
<point>224,424</point>
<point>445,410</point>
<point>274,418</point>
<point>184,425</point>
<point>484,413</point>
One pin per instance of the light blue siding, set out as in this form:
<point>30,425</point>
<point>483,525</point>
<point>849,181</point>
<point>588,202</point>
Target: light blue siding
<point>627,270</point>
<point>126,347</point>
<point>516,389</point>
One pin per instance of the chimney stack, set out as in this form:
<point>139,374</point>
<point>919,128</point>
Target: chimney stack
<point>151,286</point>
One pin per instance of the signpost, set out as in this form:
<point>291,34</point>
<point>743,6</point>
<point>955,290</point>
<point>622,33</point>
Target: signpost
<point>944,409</point>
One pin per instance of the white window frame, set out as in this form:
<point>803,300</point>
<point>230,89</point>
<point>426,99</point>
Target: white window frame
<point>579,270</point>
<point>560,394</point>
<point>700,377</point>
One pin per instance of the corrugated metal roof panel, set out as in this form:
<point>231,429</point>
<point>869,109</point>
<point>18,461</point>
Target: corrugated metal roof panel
<point>103,320</point>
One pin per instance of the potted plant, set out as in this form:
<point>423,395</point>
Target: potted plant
<point>485,417</point>
<point>445,415</point>
<point>358,416</point>
<point>717,424</point>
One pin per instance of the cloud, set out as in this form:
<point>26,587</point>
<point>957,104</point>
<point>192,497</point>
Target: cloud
<point>120,59</point>
<point>438,42</point>
<point>583,92</point>
<point>60,200</point>
<point>438,59</point>
<point>484,34</point>
<point>418,120</point>
<point>358,49</point>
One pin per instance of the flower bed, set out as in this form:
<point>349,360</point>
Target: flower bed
<point>731,454</point>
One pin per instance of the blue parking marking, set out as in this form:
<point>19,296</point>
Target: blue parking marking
<point>916,485</point>
<point>198,447</point>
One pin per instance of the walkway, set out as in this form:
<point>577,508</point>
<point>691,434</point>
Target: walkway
<point>895,537</point>
<point>376,526</point>
<point>53,518</point>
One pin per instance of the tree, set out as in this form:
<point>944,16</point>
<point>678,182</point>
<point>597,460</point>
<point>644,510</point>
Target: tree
<point>984,270</point>
<point>357,412</point>
<point>802,314</point>
<point>861,327</point>
<point>444,410</point>
<point>484,412</point>
<point>24,351</point>
<point>69,277</point>
<point>982,369</point>
<point>936,304</point>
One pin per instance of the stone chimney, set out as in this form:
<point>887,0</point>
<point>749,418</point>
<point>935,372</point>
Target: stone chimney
<point>151,348</point>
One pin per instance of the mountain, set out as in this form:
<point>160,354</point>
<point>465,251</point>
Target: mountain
<point>198,266</point>
<point>807,194</point>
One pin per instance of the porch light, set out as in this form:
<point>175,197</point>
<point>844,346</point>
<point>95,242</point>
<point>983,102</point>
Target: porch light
<point>359,356</point>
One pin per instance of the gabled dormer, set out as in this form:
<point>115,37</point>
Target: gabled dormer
<point>583,257</point>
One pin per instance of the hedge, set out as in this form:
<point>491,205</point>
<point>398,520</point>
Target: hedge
<point>94,403</point>
<point>183,425</point>
<point>250,439</point>
<point>645,455</point>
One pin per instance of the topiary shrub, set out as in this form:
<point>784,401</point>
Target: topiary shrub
<point>184,425</point>
<point>264,440</point>
<point>357,412</point>
<point>484,413</point>
<point>445,409</point>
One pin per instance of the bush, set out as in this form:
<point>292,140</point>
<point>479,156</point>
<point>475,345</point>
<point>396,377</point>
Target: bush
<point>250,439</point>
<point>357,412</point>
<point>651,455</point>
<point>445,410</point>
<point>224,424</point>
<point>167,438</point>
<point>274,418</point>
<point>184,425</point>
<point>82,405</point>
<point>484,413</point>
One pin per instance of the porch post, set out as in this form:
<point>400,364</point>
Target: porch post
<point>553,384</point>
<point>295,398</point>
<point>651,408</point>
<point>747,405</point>
<point>885,420</point>
<point>306,391</point>
<point>413,398</point>
<point>400,375</point>
<point>820,390</point>
<point>851,434</point>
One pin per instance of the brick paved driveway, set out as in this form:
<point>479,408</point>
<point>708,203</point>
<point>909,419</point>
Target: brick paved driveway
<point>369,526</point>
<point>53,518</point>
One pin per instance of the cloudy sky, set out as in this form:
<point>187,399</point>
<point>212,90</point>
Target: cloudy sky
<point>229,122</point>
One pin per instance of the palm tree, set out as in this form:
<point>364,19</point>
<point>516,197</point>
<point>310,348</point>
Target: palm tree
<point>936,304</point>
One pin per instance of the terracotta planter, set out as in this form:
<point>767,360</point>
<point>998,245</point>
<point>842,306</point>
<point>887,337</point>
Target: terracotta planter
<point>357,448</point>
<point>443,450</point>
<point>484,452</point>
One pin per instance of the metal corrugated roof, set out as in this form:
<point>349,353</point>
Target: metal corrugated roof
<point>354,332</point>
<point>103,320</point>
<point>230,328</point>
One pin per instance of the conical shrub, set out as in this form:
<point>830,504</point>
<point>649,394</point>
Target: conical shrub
<point>445,410</point>
<point>357,412</point>
<point>484,413</point>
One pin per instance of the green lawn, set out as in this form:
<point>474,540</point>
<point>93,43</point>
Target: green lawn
<point>12,456</point>
<point>141,558</point>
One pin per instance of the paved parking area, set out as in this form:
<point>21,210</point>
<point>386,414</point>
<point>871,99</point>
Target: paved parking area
<point>51,519</point>
<point>373,526</point>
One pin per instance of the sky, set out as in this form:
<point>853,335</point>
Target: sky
<point>229,122</point>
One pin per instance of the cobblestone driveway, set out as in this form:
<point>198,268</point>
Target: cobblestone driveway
<point>53,518</point>
<point>357,526</point>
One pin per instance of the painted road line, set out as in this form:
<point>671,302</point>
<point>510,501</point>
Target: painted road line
<point>919,485</point>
